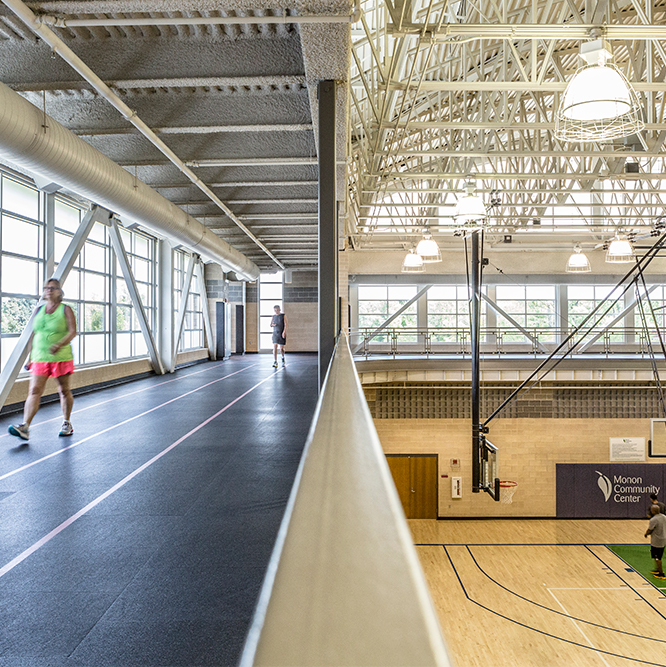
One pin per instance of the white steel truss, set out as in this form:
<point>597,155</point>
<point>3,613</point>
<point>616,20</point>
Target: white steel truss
<point>441,91</point>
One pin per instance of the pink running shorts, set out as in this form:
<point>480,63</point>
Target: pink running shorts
<point>52,369</point>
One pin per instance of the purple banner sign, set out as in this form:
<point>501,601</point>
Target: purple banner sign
<point>607,490</point>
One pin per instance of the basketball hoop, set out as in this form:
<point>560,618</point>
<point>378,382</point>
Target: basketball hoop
<point>507,489</point>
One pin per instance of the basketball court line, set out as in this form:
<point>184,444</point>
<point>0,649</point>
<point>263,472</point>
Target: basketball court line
<point>122,423</point>
<point>624,582</point>
<point>82,512</point>
<point>571,618</point>
<point>116,398</point>
<point>626,587</point>
<point>542,632</point>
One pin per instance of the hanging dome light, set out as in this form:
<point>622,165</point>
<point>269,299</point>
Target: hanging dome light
<point>470,211</point>
<point>599,103</point>
<point>413,263</point>
<point>428,249</point>
<point>620,251</point>
<point>578,262</point>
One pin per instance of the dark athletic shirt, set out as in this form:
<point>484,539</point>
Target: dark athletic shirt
<point>278,320</point>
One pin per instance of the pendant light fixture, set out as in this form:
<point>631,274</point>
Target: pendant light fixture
<point>599,103</point>
<point>413,263</point>
<point>428,249</point>
<point>578,262</point>
<point>470,211</point>
<point>620,251</point>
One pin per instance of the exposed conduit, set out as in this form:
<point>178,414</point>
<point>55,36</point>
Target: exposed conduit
<point>194,20</point>
<point>60,156</point>
<point>59,47</point>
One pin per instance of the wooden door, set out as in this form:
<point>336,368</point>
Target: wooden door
<point>415,477</point>
<point>400,469</point>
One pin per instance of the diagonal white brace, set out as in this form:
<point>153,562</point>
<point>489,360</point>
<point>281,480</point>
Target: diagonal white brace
<point>210,343</point>
<point>126,270</point>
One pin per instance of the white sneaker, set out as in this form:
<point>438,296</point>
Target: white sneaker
<point>20,430</point>
<point>66,429</point>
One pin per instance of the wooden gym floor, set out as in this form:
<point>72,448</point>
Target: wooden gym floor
<point>541,593</point>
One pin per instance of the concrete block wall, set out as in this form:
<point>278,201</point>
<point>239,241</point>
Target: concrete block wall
<point>300,299</point>
<point>252,317</point>
<point>220,289</point>
<point>529,449</point>
<point>343,287</point>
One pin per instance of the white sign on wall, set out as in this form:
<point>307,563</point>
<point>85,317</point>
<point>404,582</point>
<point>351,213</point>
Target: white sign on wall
<point>627,449</point>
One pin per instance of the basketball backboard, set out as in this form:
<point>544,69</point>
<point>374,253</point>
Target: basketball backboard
<point>489,468</point>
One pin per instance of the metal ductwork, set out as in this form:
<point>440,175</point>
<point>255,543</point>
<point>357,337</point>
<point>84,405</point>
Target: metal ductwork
<point>57,154</point>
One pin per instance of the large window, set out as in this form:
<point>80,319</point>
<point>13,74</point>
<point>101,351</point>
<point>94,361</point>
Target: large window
<point>270,295</point>
<point>106,332</point>
<point>376,303</point>
<point>193,335</point>
<point>583,299</point>
<point>21,258</point>
<point>140,250</point>
<point>531,306</point>
<point>87,286</point>
<point>448,306</point>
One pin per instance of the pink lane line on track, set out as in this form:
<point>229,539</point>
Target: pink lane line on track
<point>68,522</point>
<point>117,398</point>
<point>122,423</point>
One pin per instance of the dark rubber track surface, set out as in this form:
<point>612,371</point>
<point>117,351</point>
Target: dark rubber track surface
<point>166,570</point>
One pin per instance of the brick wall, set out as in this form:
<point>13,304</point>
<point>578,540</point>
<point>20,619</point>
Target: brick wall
<point>528,451</point>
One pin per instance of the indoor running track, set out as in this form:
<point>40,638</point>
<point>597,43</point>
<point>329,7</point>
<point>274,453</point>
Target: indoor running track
<point>143,539</point>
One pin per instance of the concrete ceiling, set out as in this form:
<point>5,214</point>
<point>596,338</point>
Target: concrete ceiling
<point>235,102</point>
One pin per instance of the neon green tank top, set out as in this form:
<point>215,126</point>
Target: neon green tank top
<point>48,330</point>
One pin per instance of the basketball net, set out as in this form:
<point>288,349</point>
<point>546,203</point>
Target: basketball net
<point>507,489</point>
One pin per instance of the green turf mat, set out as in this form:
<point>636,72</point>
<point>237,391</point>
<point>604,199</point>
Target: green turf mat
<point>638,557</point>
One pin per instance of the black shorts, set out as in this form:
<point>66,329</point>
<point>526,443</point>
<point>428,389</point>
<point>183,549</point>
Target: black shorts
<point>277,339</point>
<point>657,552</point>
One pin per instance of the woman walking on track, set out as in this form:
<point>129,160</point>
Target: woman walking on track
<point>54,327</point>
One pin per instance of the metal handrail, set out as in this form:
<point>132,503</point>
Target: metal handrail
<point>344,585</point>
<point>497,340</point>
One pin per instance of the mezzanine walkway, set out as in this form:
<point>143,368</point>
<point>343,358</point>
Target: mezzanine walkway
<point>143,539</point>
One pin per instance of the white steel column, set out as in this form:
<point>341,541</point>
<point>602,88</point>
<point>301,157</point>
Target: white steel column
<point>165,304</point>
<point>49,230</point>
<point>183,307</point>
<point>210,343</point>
<point>18,354</point>
<point>121,256</point>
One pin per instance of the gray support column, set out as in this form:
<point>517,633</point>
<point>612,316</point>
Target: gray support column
<point>328,227</point>
<point>210,342</point>
<point>17,357</point>
<point>165,304</point>
<point>562,312</point>
<point>475,325</point>
<point>183,307</point>
<point>126,269</point>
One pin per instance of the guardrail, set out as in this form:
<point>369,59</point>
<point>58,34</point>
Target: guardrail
<point>344,585</point>
<point>498,341</point>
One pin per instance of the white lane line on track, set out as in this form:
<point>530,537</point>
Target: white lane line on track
<point>122,423</point>
<point>68,522</point>
<point>587,639</point>
<point>116,398</point>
